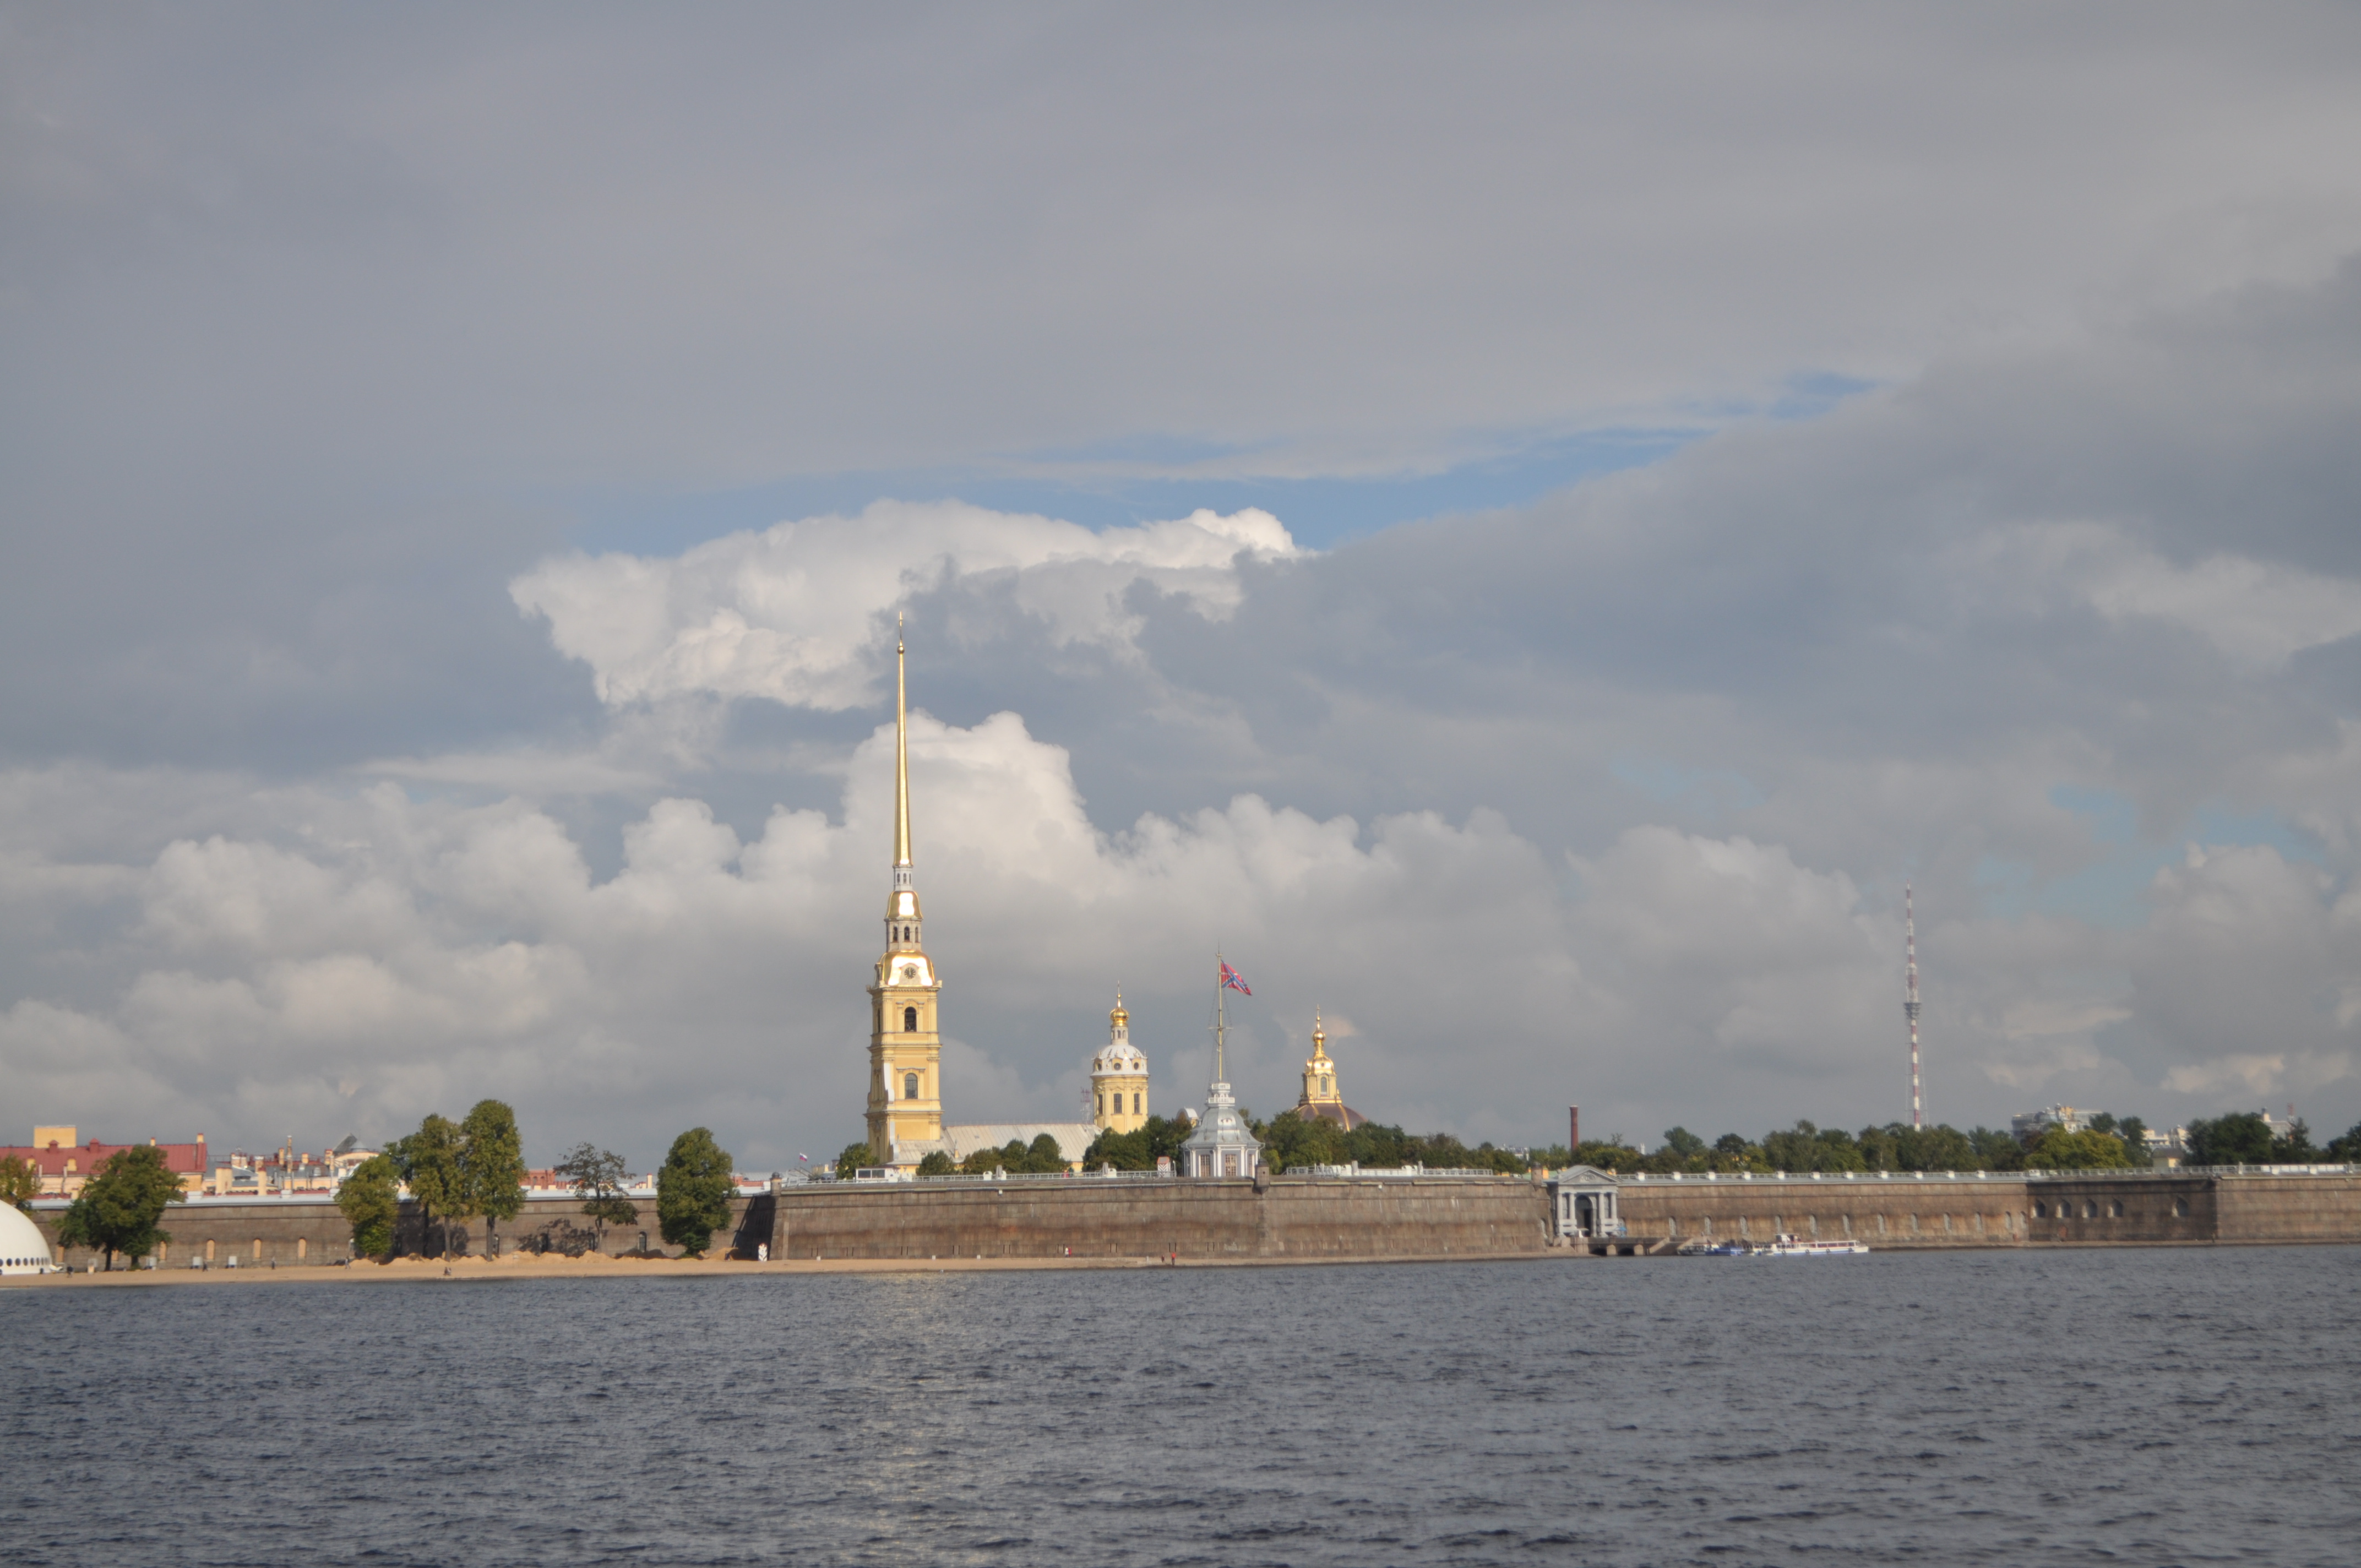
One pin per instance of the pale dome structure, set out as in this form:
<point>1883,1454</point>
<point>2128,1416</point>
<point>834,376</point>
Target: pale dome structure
<point>1119,1078</point>
<point>23,1248</point>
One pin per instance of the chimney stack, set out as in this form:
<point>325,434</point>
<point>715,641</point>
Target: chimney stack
<point>1573,1129</point>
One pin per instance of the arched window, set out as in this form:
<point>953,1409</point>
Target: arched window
<point>1134,1104</point>
<point>909,1020</point>
<point>909,1086</point>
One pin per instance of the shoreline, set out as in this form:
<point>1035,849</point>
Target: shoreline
<point>479,1270</point>
<point>476,1270</point>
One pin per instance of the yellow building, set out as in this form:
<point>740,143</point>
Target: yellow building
<point>1322,1097</point>
<point>905,1084</point>
<point>1119,1078</point>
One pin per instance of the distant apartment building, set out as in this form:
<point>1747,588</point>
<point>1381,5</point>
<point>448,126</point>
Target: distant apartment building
<point>283,1171</point>
<point>2031,1125</point>
<point>65,1163</point>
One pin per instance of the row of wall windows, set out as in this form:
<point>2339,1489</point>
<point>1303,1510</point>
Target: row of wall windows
<point>2090,1210</point>
<point>1118,1104</point>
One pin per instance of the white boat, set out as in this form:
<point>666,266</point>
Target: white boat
<point>1787,1245</point>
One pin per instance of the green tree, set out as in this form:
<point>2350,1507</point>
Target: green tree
<point>2243,1137</point>
<point>491,1165</point>
<point>598,1177</point>
<point>1609,1153</point>
<point>1139,1148</point>
<point>2347,1147</point>
<point>1996,1150</point>
<point>937,1163</point>
<point>2133,1132</point>
<point>117,1208</point>
<point>1684,1143</point>
<point>855,1159</point>
<point>1944,1147</point>
<point>693,1188</point>
<point>370,1198</point>
<point>2061,1150</point>
<point>1289,1141</point>
<point>20,1182</point>
<point>431,1167</point>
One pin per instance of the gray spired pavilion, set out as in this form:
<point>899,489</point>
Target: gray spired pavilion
<point>1221,1144</point>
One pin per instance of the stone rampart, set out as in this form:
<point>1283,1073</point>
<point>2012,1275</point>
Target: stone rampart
<point>2280,1207</point>
<point>284,1233</point>
<point>1986,1209</point>
<point>1938,1212</point>
<point>1319,1217</point>
<point>1297,1217</point>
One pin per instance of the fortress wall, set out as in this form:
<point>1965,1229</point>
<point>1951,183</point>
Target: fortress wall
<point>1320,1218</point>
<point>1942,1210</point>
<point>2288,1208</point>
<point>2126,1208</point>
<point>1307,1217</point>
<point>292,1232</point>
<point>1883,1212</point>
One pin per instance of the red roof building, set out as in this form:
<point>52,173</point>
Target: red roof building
<point>64,1164</point>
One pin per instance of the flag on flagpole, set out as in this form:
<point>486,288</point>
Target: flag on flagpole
<point>1235,981</point>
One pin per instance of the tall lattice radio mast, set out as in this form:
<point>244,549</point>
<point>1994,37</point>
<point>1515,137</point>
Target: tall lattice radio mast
<point>1910,1003</point>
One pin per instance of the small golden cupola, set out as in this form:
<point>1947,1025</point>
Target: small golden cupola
<point>1322,1096</point>
<point>1119,1078</point>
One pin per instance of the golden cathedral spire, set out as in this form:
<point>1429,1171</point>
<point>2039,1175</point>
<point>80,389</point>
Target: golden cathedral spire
<point>906,1093</point>
<point>901,749</point>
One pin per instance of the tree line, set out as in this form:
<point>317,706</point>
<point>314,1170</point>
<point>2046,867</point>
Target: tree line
<point>2109,1143</point>
<point>459,1171</point>
<point>1288,1140</point>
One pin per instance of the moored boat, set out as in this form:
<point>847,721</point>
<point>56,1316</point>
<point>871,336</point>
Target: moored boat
<point>1787,1245</point>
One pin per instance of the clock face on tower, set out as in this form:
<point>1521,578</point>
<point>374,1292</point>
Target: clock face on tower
<point>909,971</point>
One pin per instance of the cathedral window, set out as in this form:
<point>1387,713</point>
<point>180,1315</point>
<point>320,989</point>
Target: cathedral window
<point>909,1086</point>
<point>909,1020</point>
<point>1134,1104</point>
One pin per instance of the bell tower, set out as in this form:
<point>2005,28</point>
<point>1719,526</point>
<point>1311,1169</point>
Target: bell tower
<point>1320,1072</point>
<point>906,1086</point>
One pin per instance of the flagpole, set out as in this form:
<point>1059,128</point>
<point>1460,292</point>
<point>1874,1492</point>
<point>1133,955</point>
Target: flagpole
<point>1221,1020</point>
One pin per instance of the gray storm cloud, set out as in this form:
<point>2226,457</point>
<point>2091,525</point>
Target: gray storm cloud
<point>403,696</point>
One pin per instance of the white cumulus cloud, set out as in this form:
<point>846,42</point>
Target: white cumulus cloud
<point>786,613</point>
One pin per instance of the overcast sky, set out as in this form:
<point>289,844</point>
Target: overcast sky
<point>1524,526</point>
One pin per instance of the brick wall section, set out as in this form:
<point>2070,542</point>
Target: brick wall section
<point>1998,1210</point>
<point>2289,1208</point>
<point>1295,1217</point>
<point>2125,1209</point>
<point>1884,1213</point>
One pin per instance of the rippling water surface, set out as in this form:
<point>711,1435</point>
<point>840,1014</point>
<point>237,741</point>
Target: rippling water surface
<point>2144,1407</point>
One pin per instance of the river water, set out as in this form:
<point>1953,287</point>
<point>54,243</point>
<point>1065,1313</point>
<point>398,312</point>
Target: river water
<point>2170,1405</point>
